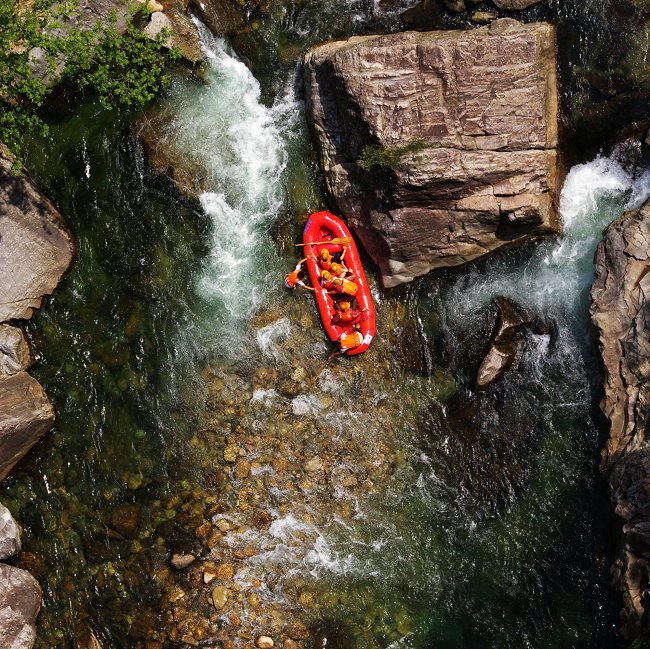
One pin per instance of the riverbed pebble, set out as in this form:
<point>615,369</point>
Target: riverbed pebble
<point>264,642</point>
<point>219,596</point>
<point>181,561</point>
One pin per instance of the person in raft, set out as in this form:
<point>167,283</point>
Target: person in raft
<point>326,279</point>
<point>344,286</point>
<point>341,270</point>
<point>325,259</point>
<point>297,277</point>
<point>345,314</point>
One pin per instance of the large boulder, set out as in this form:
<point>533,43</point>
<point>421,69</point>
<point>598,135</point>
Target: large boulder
<point>474,115</point>
<point>620,313</point>
<point>20,603</point>
<point>9,534</point>
<point>36,248</point>
<point>26,414</point>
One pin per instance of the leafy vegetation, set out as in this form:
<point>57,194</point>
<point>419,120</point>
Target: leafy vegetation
<point>40,47</point>
<point>382,158</point>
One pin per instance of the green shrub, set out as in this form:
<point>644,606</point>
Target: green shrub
<point>123,69</point>
<point>382,158</point>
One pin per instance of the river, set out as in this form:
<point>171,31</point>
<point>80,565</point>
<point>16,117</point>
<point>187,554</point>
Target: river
<point>380,503</point>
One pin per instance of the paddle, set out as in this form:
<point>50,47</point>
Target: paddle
<point>338,241</point>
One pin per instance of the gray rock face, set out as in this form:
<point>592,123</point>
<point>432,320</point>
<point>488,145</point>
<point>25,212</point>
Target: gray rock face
<point>223,17</point>
<point>484,104</point>
<point>36,248</point>
<point>26,414</point>
<point>620,313</point>
<point>20,603</point>
<point>14,350</point>
<point>9,534</point>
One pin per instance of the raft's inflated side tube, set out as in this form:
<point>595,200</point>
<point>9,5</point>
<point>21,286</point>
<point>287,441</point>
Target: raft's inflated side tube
<point>324,226</point>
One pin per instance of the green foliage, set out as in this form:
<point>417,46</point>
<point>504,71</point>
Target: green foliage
<point>381,158</point>
<point>640,643</point>
<point>123,69</point>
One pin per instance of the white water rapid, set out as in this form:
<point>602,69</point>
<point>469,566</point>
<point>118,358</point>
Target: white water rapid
<point>238,146</point>
<point>555,281</point>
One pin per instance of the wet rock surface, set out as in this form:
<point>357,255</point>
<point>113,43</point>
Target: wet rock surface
<point>26,415</point>
<point>511,322</point>
<point>15,355</point>
<point>36,248</point>
<point>620,313</point>
<point>9,534</point>
<point>480,107</point>
<point>20,602</point>
<point>516,5</point>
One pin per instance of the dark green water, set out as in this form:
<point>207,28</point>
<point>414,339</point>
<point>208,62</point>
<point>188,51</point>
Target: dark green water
<point>108,359</point>
<point>493,533</point>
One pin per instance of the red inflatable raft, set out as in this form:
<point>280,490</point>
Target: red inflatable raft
<point>324,227</point>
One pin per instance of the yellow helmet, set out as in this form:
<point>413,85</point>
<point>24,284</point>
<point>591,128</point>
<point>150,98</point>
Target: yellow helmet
<point>336,268</point>
<point>325,254</point>
<point>337,281</point>
<point>344,305</point>
<point>326,275</point>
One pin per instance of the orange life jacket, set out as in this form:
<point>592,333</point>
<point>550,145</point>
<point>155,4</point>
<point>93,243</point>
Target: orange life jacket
<point>350,341</point>
<point>293,277</point>
<point>348,287</point>
<point>346,317</point>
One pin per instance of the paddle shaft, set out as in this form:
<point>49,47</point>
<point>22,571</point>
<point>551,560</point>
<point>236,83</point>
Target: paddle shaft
<point>334,242</point>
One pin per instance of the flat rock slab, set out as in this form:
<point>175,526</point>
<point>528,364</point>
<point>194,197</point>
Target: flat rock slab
<point>620,313</point>
<point>36,248</point>
<point>26,414</point>
<point>15,355</point>
<point>9,534</point>
<point>484,105</point>
<point>20,603</point>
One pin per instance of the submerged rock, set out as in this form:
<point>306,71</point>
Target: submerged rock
<point>20,602</point>
<point>620,313</point>
<point>36,248</point>
<point>457,6</point>
<point>125,520</point>
<point>464,125</point>
<point>26,414</point>
<point>512,319</point>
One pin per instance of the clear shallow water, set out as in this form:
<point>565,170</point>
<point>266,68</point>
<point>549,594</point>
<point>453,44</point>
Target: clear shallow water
<point>491,531</point>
